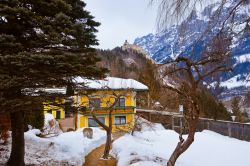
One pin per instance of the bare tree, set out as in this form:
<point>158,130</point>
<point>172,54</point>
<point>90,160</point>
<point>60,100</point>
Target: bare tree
<point>108,128</point>
<point>189,75</point>
<point>189,72</point>
<point>175,11</point>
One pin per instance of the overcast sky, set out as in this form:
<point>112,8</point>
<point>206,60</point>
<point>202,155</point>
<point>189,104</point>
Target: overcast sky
<point>121,20</point>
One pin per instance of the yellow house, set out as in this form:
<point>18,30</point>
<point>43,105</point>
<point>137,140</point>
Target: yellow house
<point>98,96</point>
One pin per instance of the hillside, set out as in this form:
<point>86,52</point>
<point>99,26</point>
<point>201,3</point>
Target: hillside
<point>130,61</point>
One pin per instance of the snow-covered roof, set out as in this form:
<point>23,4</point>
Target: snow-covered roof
<point>111,83</point>
<point>39,91</point>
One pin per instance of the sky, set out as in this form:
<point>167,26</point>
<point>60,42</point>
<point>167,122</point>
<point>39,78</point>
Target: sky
<point>122,20</point>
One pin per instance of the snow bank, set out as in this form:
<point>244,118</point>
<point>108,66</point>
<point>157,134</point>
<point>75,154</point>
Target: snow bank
<point>66,149</point>
<point>145,125</point>
<point>51,126</point>
<point>48,117</point>
<point>155,147</point>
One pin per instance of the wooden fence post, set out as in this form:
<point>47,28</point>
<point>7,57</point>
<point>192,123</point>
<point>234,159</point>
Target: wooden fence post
<point>208,127</point>
<point>242,132</point>
<point>229,129</point>
<point>172,119</point>
<point>181,124</point>
<point>148,96</point>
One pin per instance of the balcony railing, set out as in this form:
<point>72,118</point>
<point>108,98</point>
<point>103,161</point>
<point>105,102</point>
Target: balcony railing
<point>88,109</point>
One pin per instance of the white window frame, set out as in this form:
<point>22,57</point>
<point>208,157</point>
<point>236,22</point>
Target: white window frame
<point>121,120</point>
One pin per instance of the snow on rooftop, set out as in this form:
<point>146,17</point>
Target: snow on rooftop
<point>107,83</point>
<point>112,83</point>
<point>38,91</point>
<point>55,90</point>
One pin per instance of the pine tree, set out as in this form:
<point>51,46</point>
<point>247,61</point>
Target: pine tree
<point>42,44</point>
<point>211,107</point>
<point>241,115</point>
<point>35,118</point>
<point>246,101</point>
<point>235,106</point>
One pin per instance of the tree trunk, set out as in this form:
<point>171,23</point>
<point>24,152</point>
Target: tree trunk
<point>183,145</point>
<point>17,148</point>
<point>180,148</point>
<point>107,145</point>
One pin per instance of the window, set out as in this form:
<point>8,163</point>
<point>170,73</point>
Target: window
<point>120,102</point>
<point>58,114</point>
<point>93,123</point>
<point>120,120</point>
<point>95,102</point>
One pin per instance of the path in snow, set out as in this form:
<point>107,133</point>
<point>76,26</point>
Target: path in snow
<point>93,158</point>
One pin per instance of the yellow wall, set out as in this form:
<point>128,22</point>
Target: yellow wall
<point>108,98</point>
<point>82,121</point>
<point>47,107</point>
<point>123,127</point>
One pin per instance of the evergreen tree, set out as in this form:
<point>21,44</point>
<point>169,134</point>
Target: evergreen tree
<point>247,100</point>
<point>35,118</point>
<point>223,114</point>
<point>241,116</point>
<point>211,108</point>
<point>235,105</point>
<point>42,44</point>
<point>38,118</point>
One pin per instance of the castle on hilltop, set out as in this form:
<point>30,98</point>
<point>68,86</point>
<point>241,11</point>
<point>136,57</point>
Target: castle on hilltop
<point>133,47</point>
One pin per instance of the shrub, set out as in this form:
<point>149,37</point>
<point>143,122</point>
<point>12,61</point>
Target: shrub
<point>35,118</point>
<point>4,127</point>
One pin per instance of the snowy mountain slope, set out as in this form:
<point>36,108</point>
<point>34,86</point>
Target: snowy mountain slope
<point>197,33</point>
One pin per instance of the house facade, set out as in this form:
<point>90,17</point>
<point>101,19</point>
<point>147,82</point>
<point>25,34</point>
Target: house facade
<point>57,111</point>
<point>98,96</point>
<point>99,102</point>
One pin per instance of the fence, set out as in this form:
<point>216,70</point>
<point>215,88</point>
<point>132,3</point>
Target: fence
<point>175,121</point>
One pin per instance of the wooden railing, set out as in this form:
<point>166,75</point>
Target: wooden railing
<point>174,121</point>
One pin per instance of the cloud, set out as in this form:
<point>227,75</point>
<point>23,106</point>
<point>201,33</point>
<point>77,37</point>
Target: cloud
<point>121,20</point>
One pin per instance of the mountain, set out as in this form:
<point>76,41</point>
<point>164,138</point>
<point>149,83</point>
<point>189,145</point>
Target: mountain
<point>193,35</point>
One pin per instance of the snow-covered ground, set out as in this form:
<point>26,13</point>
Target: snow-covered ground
<point>243,58</point>
<point>66,149</point>
<point>233,83</point>
<point>154,147</point>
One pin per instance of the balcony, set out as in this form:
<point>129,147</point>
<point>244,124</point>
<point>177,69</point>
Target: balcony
<point>86,110</point>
